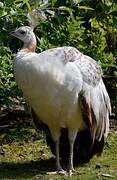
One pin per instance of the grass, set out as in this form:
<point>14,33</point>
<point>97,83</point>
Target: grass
<point>25,155</point>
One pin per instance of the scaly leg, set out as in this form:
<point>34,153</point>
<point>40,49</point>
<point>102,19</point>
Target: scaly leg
<point>56,137</point>
<point>72,137</point>
<point>58,166</point>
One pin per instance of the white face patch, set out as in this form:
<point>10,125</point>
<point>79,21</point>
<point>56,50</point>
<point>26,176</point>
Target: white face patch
<point>25,34</point>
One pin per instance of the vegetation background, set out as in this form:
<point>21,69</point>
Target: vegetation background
<point>90,26</point>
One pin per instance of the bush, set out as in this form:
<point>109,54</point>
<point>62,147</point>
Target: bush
<point>89,26</point>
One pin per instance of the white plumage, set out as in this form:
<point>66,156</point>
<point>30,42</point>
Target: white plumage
<point>64,88</point>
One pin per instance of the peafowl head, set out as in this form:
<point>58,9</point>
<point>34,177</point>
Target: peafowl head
<point>25,34</point>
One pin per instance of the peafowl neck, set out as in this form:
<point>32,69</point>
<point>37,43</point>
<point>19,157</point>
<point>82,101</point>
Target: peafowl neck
<point>29,47</point>
<point>30,44</point>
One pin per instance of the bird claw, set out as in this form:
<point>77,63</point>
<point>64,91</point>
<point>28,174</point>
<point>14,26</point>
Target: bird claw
<point>52,173</point>
<point>70,172</point>
<point>60,171</point>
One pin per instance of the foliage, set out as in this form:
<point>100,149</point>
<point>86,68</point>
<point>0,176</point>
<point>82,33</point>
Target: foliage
<point>6,75</point>
<point>87,25</point>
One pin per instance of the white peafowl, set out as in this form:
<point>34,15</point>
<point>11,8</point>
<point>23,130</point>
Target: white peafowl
<point>65,90</point>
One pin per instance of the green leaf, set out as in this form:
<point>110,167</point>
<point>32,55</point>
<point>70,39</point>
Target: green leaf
<point>85,7</point>
<point>2,13</point>
<point>53,2</point>
<point>114,13</point>
<point>69,10</point>
<point>18,1</point>
<point>115,22</point>
<point>52,13</point>
<point>28,4</point>
<point>24,2</point>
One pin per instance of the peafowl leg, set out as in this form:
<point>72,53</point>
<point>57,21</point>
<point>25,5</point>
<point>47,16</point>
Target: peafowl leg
<point>58,166</point>
<point>56,138</point>
<point>72,137</point>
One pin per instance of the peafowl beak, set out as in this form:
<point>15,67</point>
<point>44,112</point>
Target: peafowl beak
<point>12,33</point>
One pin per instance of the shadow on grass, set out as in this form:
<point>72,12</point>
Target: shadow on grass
<point>26,169</point>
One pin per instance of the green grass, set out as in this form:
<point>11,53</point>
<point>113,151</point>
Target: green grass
<point>25,155</point>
